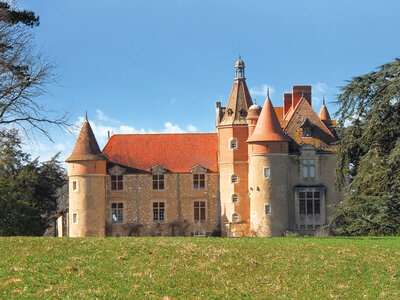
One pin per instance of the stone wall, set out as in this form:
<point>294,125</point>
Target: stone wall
<point>178,197</point>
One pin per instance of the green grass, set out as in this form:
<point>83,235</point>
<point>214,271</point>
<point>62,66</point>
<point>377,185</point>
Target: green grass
<point>200,267</point>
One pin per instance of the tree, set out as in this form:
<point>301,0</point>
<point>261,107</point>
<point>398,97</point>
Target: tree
<point>25,74</point>
<point>28,189</point>
<point>368,169</point>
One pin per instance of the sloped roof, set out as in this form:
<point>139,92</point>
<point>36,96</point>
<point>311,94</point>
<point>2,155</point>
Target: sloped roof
<point>86,147</point>
<point>321,136</point>
<point>268,127</point>
<point>324,114</point>
<point>239,100</point>
<point>175,152</point>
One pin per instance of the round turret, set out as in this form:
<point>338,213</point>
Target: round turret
<point>87,180</point>
<point>254,111</point>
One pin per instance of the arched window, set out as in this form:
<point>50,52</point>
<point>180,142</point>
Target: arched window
<point>235,198</point>
<point>235,218</point>
<point>234,179</point>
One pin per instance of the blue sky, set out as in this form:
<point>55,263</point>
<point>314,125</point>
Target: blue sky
<point>160,66</point>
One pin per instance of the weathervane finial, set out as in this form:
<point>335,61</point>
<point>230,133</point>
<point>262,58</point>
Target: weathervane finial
<point>86,116</point>
<point>268,92</point>
<point>323,99</point>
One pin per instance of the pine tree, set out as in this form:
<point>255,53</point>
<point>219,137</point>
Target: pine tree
<point>368,168</point>
<point>28,189</point>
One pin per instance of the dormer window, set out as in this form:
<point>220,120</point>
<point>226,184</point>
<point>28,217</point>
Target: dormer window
<point>158,182</point>
<point>230,112</point>
<point>199,177</point>
<point>306,128</point>
<point>243,113</point>
<point>117,182</point>
<point>158,176</point>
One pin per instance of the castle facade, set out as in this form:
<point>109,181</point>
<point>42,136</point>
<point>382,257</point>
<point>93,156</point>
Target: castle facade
<point>265,171</point>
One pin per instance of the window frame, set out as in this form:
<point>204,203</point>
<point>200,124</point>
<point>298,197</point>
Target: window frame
<point>269,172</point>
<point>236,180</point>
<point>308,201</point>
<point>269,209</point>
<point>199,181</point>
<point>235,196</point>
<point>308,167</point>
<point>159,209</point>
<point>235,218</point>
<point>74,185</point>
<point>117,212</point>
<point>233,144</point>
<point>158,182</point>
<point>201,211</point>
<point>75,218</point>
<point>117,182</point>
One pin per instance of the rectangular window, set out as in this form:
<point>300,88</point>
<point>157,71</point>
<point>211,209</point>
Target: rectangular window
<point>158,211</point>
<point>74,218</point>
<point>199,211</point>
<point>199,181</point>
<point>233,144</point>
<point>158,182</point>
<point>267,209</point>
<point>117,212</point>
<point>74,185</point>
<point>308,168</point>
<point>309,202</point>
<point>234,179</point>
<point>117,182</point>
<point>266,172</point>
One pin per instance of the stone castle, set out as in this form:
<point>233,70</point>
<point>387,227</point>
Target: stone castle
<point>265,171</point>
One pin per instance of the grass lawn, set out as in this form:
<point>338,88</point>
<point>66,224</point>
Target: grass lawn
<point>200,267</point>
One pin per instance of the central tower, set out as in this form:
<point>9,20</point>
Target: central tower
<point>233,159</point>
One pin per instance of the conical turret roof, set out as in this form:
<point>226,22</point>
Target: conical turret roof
<point>324,114</point>
<point>86,147</point>
<point>268,128</point>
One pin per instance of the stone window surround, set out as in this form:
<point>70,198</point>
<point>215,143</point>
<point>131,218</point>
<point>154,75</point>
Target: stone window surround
<point>117,171</point>
<point>76,182</point>
<point>235,218</point>
<point>75,218</point>
<point>230,144</point>
<point>310,220</point>
<point>158,170</point>
<point>233,198</point>
<point>199,170</point>
<point>310,163</point>
<point>117,212</point>
<point>237,179</point>
<point>205,211</point>
<point>269,172</point>
<point>158,182</point>
<point>165,210</point>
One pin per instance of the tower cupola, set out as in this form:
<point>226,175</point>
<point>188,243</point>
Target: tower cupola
<point>239,68</point>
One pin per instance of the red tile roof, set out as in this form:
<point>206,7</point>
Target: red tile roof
<point>268,127</point>
<point>324,114</point>
<point>175,152</point>
<point>86,147</point>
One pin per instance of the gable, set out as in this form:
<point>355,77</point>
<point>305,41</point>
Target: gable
<point>321,136</point>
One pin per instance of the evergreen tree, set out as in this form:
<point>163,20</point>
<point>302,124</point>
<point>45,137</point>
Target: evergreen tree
<point>28,189</point>
<point>368,168</point>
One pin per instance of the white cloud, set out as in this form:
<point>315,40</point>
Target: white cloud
<point>191,128</point>
<point>261,91</point>
<point>102,117</point>
<point>318,91</point>
<point>170,128</point>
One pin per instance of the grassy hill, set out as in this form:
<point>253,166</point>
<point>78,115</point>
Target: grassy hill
<point>200,267</point>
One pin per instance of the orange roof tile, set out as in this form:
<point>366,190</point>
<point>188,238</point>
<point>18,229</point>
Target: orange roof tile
<point>279,112</point>
<point>175,152</point>
<point>324,114</point>
<point>268,127</point>
<point>86,147</point>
